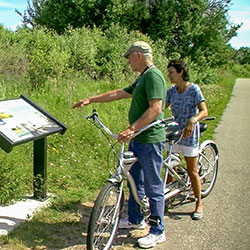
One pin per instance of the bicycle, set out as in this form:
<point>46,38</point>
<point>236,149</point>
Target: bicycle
<point>104,218</point>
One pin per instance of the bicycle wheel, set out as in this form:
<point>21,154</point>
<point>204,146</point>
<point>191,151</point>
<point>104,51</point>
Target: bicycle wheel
<point>103,223</point>
<point>208,166</point>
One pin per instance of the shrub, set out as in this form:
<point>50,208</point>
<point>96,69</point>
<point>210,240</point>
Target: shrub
<point>45,53</point>
<point>82,48</point>
<point>241,70</point>
<point>13,62</point>
<point>98,55</point>
<point>41,55</point>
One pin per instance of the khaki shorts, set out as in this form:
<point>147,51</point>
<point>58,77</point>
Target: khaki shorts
<point>185,150</point>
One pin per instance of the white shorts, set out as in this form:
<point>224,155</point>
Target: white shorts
<point>185,150</point>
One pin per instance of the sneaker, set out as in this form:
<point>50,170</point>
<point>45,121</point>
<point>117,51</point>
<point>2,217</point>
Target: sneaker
<point>125,224</point>
<point>197,215</point>
<point>151,240</point>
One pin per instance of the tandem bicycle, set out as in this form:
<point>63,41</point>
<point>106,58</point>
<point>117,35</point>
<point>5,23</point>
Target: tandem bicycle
<point>105,214</point>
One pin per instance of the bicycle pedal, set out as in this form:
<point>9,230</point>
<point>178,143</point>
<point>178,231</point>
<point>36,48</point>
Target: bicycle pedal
<point>192,199</point>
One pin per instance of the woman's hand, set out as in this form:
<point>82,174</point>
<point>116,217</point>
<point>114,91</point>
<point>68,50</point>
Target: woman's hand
<point>189,128</point>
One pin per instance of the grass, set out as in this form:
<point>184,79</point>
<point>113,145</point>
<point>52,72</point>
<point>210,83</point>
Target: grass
<point>77,165</point>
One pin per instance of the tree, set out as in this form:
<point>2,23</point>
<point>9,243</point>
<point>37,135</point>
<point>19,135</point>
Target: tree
<point>57,15</point>
<point>242,55</point>
<point>194,28</point>
<point>197,29</point>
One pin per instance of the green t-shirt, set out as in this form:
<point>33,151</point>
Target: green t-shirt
<point>150,85</point>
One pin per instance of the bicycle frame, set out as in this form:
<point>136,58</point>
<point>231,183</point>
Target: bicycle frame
<point>104,219</point>
<point>127,159</point>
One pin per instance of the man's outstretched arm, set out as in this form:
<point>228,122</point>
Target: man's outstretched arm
<point>106,97</point>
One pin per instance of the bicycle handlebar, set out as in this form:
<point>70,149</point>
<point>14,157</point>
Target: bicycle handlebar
<point>95,118</point>
<point>163,122</point>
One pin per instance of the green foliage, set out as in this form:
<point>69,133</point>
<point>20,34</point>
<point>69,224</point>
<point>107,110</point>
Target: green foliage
<point>199,30</point>
<point>99,54</point>
<point>242,71</point>
<point>45,53</point>
<point>40,55</point>
<point>82,49</point>
<point>35,54</point>
<point>57,15</point>
<point>202,73</point>
<point>15,174</point>
<point>12,64</point>
<point>242,55</point>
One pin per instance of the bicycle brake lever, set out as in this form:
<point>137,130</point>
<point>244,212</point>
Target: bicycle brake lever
<point>166,121</point>
<point>171,118</point>
<point>94,114</point>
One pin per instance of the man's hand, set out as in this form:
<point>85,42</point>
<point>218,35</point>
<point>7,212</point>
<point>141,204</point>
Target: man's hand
<point>126,135</point>
<point>82,103</point>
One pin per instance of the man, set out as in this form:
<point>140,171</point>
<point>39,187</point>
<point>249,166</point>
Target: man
<point>148,101</point>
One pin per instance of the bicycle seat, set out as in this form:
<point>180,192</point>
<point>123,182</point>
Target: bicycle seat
<point>203,127</point>
<point>173,132</point>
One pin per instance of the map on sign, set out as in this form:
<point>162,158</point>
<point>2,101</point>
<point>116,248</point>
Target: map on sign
<point>20,121</point>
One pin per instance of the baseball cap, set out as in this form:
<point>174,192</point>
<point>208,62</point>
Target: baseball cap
<point>138,46</point>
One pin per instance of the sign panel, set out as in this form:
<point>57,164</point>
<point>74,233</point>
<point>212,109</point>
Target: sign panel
<point>21,121</point>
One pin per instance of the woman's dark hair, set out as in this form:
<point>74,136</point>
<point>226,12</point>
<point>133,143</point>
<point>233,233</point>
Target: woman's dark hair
<point>180,65</point>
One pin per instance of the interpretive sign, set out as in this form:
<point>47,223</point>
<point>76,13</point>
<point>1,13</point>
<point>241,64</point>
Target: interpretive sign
<point>21,121</point>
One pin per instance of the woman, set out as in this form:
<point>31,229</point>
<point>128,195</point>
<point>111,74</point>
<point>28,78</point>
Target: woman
<point>188,107</point>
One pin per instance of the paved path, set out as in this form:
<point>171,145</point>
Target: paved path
<point>226,222</point>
